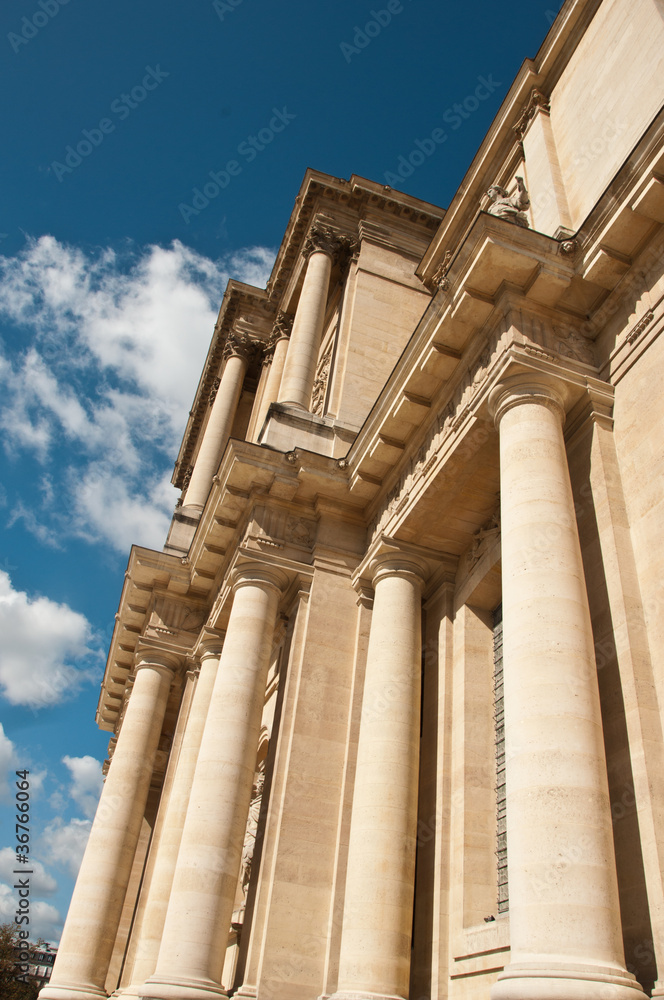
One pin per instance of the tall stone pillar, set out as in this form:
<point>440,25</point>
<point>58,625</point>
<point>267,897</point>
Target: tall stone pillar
<point>200,907</point>
<point>220,423</point>
<point>152,924</point>
<point>279,351</point>
<point>378,908</point>
<point>94,914</point>
<point>564,911</point>
<point>320,249</point>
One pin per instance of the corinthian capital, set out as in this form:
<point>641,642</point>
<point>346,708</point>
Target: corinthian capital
<point>325,240</point>
<point>238,345</point>
<point>282,326</point>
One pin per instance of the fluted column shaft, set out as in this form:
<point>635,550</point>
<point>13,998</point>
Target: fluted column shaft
<point>152,924</point>
<point>273,381</point>
<point>564,911</point>
<point>218,430</point>
<point>299,371</point>
<point>94,914</point>
<point>200,908</point>
<point>378,908</point>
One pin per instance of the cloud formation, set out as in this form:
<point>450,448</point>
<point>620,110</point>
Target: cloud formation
<point>46,652</point>
<point>65,842</point>
<point>110,348</point>
<point>7,765</point>
<point>87,782</point>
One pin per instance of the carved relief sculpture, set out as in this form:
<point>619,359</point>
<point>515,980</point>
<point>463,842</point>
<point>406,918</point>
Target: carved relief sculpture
<point>252,826</point>
<point>510,206</point>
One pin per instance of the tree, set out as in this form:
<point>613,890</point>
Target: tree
<point>12,988</point>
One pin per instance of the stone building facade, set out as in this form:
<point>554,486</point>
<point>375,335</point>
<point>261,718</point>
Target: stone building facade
<point>385,710</point>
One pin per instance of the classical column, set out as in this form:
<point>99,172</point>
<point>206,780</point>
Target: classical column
<point>152,924</point>
<point>217,432</point>
<point>565,927</point>
<point>94,914</point>
<point>276,358</point>
<point>378,907</point>
<point>320,249</point>
<point>200,907</point>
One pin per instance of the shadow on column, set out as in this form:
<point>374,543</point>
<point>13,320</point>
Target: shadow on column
<point>636,927</point>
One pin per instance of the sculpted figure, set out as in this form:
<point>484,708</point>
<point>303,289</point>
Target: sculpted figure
<point>510,206</point>
<point>252,826</point>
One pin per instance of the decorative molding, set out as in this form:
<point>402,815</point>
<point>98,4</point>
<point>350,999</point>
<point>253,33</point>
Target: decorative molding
<point>439,276</point>
<point>170,617</point>
<point>275,528</point>
<point>640,327</point>
<point>569,248</point>
<point>536,102</point>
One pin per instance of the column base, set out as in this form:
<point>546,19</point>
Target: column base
<point>64,992</point>
<point>180,989</point>
<point>246,992</point>
<point>525,981</point>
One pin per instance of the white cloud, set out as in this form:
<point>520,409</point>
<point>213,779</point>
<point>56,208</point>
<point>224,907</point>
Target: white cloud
<point>87,782</point>
<point>41,883</point>
<point>65,842</point>
<point>7,766</point>
<point>113,347</point>
<point>45,652</point>
<point>45,919</point>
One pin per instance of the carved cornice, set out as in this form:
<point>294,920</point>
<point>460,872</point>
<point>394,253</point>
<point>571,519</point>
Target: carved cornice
<point>352,196</point>
<point>546,340</point>
<point>536,102</point>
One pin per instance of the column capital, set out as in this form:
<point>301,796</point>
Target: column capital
<point>168,662</point>
<point>255,574</point>
<point>283,326</point>
<point>401,564</point>
<point>322,239</point>
<point>238,345</point>
<point>210,647</point>
<point>527,387</point>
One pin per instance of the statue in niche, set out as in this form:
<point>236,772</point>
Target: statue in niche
<point>252,826</point>
<point>510,206</point>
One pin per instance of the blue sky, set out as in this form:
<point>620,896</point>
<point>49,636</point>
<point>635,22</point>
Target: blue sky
<point>112,269</point>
